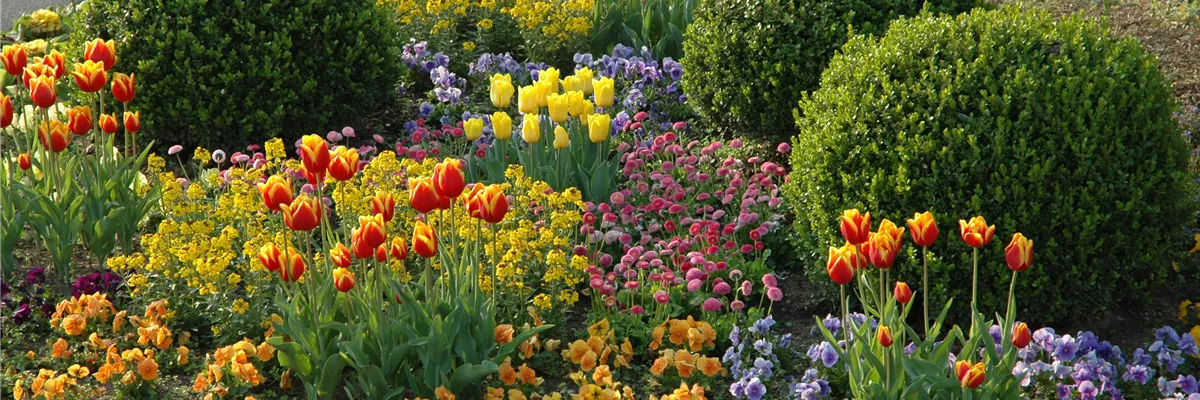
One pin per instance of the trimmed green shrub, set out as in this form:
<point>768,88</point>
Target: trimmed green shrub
<point>1051,128</point>
<point>224,73</point>
<point>750,60</point>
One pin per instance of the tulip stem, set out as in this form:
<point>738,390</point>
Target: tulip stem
<point>881,290</point>
<point>974,285</point>
<point>925,286</point>
<point>1011,288</point>
<point>845,318</point>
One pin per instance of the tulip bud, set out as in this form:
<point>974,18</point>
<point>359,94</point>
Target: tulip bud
<point>974,376</point>
<point>494,204</point>
<point>599,127</point>
<point>501,125</point>
<point>276,191</point>
<point>6,111</point>
<point>42,91</point>
<point>530,130</point>
<point>303,214</point>
<point>585,75</point>
<point>79,119</point>
<point>449,180</point>
<point>372,230</point>
<point>883,250</point>
<point>902,292</point>
<point>884,335</point>
<point>57,61</point>
<point>294,268</point>
<point>550,77</point>
<point>424,240</point>
<point>133,121</point>
<point>923,228</point>
<point>1019,253</point>
<point>270,257</point>
<point>839,266</point>
<point>124,87</point>
<point>340,256</point>
<point>897,233</point>
<point>343,279</point>
<point>359,247</point>
<point>384,204</point>
<point>473,128</point>
<point>421,195</point>
<point>474,202</point>
<point>100,51</point>
<point>314,153</point>
<point>604,94</point>
<point>343,163</point>
<point>576,104</point>
<point>14,59</point>
<point>855,226</point>
<point>399,250</point>
<point>54,135</point>
<point>557,106</point>
<point>572,84</point>
<point>24,161</point>
<point>90,76</point>
<point>527,100</point>
<point>108,123</point>
<point>561,140</point>
<point>501,90</point>
<point>976,233</point>
<point>1021,336</point>
<point>381,253</point>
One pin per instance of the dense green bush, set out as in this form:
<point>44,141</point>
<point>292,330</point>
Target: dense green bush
<point>1051,128</point>
<point>750,60</point>
<point>223,73</point>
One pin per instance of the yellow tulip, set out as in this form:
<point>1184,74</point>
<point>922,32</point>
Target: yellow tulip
<point>604,92</point>
<point>501,90</point>
<point>544,89</point>
<point>530,130</point>
<point>572,84</point>
<point>599,127</point>
<point>585,79</point>
<point>575,103</point>
<point>588,110</point>
<point>527,100</point>
<point>561,141</point>
<point>474,128</point>
<point>501,125</point>
<point>558,105</point>
<point>550,75</point>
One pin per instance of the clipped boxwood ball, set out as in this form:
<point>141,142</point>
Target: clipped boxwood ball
<point>225,73</point>
<point>1052,128</point>
<point>751,60</point>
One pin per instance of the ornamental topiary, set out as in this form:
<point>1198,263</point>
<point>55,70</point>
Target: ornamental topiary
<point>750,60</point>
<point>224,73</point>
<point>1051,128</point>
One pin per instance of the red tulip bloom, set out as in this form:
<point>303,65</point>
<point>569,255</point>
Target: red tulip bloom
<point>270,257</point>
<point>424,240</point>
<point>314,153</point>
<point>302,214</point>
<point>923,228</point>
<point>340,256</point>
<point>6,111</point>
<point>839,266</point>
<point>421,195</point>
<point>276,191</point>
<point>399,249</point>
<point>902,292</point>
<point>343,279</point>
<point>884,335</point>
<point>89,76</point>
<point>855,226</point>
<point>124,87</point>
<point>79,120</point>
<point>449,179</point>
<point>976,233</point>
<point>101,52</point>
<point>1021,335</point>
<point>1019,253</point>
<point>14,59</point>
<point>294,268</point>
<point>384,204</point>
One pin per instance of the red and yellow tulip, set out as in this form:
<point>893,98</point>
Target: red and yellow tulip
<point>79,119</point>
<point>884,335</point>
<point>923,228</point>
<point>840,265</point>
<point>57,61</point>
<point>384,204</point>
<point>302,214</point>
<point>449,180</point>
<point>855,226</point>
<point>493,204</point>
<point>24,161</point>
<point>42,91</point>
<point>54,135</point>
<point>1019,253</point>
<point>14,58</point>
<point>421,195</point>
<point>270,257</point>
<point>276,191</point>
<point>399,248</point>
<point>883,250</point>
<point>294,268</point>
<point>6,111</point>
<point>372,230</point>
<point>343,164</point>
<point>103,52</point>
<point>36,70</point>
<point>902,292</point>
<point>133,121</point>
<point>314,153</point>
<point>108,123</point>
<point>124,87</point>
<point>1021,335</point>
<point>976,233</point>
<point>970,376</point>
<point>90,76</point>
<point>340,256</point>
<point>424,240</point>
<point>343,279</point>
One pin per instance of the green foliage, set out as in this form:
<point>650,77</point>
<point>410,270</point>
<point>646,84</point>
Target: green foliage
<point>1051,128</point>
<point>656,24</point>
<point>225,73</point>
<point>752,60</point>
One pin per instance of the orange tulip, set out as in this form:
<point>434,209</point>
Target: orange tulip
<point>1019,253</point>
<point>270,257</point>
<point>855,226</point>
<point>399,248</point>
<point>884,335</point>
<point>443,202</point>
<point>340,256</point>
<point>902,292</point>
<point>923,229</point>
<point>36,70</point>
<point>90,76</point>
<point>960,368</point>
<point>424,240</point>
<point>897,233</point>
<point>312,178</point>
<point>384,204</point>
<point>133,121</point>
<point>14,59</point>
<point>381,253</point>
<point>976,233</point>
<point>314,152</point>
<point>372,230</point>
<point>343,163</point>
<point>974,376</point>
<point>108,123</point>
<point>449,179</point>
<point>276,191</point>
<point>42,91</point>
<point>494,204</point>
<point>421,195</point>
<point>474,203</point>
<point>57,61</point>
<point>124,87</point>
<point>1021,336</point>
<point>360,248</point>
<point>839,266</point>
<point>54,135</point>
<point>883,250</point>
<point>24,161</point>
<point>101,52</point>
<point>343,279</point>
<point>302,214</point>
<point>6,111</point>
<point>294,268</point>
<point>79,119</point>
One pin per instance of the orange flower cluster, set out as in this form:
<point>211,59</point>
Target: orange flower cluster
<point>685,363</point>
<point>597,349</point>
<point>48,384</point>
<point>696,335</point>
<point>696,392</point>
<point>233,366</point>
